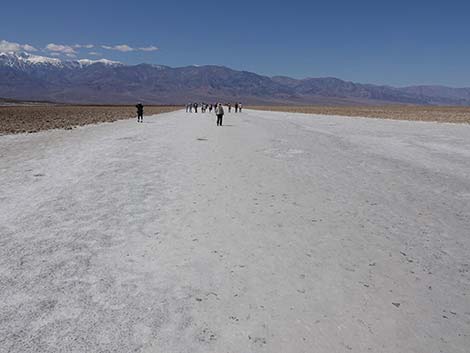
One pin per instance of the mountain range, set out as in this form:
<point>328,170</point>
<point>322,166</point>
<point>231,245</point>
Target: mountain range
<point>24,76</point>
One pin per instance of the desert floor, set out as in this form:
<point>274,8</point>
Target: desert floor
<point>33,118</point>
<point>277,232</point>
<point>397,112</point>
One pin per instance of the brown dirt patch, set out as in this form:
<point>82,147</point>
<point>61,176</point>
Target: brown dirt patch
<point>399,112</point>
<point>18,119</point>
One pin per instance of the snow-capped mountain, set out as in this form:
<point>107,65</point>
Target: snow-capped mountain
<point>25,76</point>
<point>25,60</point>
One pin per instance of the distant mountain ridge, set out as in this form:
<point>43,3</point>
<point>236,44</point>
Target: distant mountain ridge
<point>31,77</point>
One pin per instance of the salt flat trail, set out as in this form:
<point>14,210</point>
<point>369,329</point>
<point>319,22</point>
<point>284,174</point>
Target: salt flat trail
<point>274,233</point>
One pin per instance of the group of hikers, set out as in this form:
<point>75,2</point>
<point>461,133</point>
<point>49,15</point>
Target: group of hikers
<point>218,110</point>
<point>190,107</point>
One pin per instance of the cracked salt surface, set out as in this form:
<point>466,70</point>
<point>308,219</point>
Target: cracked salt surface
<point>282,233</point>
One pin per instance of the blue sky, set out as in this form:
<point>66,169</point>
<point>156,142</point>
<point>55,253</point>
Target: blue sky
<point>387,42</point>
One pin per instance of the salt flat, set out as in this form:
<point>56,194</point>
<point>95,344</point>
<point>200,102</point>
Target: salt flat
<point>277,232</point>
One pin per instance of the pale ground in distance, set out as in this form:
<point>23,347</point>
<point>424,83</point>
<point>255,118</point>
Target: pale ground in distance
<point>398,112</point>
<point>278,232</point>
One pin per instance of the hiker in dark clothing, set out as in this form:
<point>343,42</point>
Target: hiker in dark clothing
<point>140,113</point>
<point>229,107</point>
<point>210,108</point>
<point>195,107</point>
<point>219,111</point>
<point>236,107</point>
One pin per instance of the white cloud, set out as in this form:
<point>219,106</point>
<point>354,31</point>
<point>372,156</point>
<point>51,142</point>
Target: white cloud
<point>28,47</point>
<point>86,46</point>
<point>71,50</point>
<point>55,54</point>
<point>128,48</point>
<point>149,48</point>
<point>121,47</point>
<point>94,53</point>
<point>10,46</point>
<point>70,55</point>
<point>64,49</point>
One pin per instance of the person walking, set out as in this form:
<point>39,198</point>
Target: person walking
<point>219,111</point>
<point>240,107</point>
<point>236,107</point>
<point>140,112</point>
<point>195,107</point>
<point>229,107</point>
